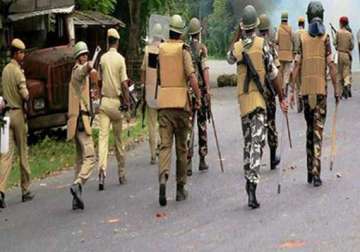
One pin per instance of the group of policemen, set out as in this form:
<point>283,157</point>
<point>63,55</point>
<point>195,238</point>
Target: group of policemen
<point>177,92</point>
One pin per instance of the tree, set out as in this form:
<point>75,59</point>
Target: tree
<point>104,6</point>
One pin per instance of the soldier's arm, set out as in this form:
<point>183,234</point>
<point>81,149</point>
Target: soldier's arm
<point>21,84</point>
<point>352,42</point>
<point>205,67</point>
<point>124,82</point>
<point>80,72</point>
<point>190,74</point>
<point>332,67</point>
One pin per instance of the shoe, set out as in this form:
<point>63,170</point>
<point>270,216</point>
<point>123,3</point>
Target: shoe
<point>317,181</point>
<point>76,191</point>
<point>153,161</point>
<point>2,200</point>
<point>28,196</point>
<point>310,178</point>
<point>101,181</point>
<point>251,189</point>
<point>162,195</point>
<point>181,193</point>
<point>189,168</point>
<point>122,180</point>
<point>349,92</point>
<point>345,93</point>
<point>274,159</point>
<point>203,166</point>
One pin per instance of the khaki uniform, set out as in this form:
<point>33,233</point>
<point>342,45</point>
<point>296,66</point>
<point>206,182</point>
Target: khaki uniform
<point>151,103</point>
<point>113,71</point>
<point>297,38</point>
<point>344,45</point>
<point>78,125</point>
<point>174,111</point>
<point>314,54</point>
<point>15,93</point>
<point>284,39</point>
<point>252,103</point>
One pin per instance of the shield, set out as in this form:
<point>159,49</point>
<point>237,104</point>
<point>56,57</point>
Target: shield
<point>164,21</point>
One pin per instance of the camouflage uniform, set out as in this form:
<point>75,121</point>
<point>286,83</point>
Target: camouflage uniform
<point>199,56</point>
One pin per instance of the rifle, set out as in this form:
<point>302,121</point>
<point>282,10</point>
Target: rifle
<point>333,31</point>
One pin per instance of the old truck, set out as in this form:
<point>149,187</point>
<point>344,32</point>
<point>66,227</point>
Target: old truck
<point>50,28</point>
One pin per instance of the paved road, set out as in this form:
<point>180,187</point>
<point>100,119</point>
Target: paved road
<point>215,217</point>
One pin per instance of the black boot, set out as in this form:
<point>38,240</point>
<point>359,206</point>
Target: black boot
<point>181,193</point>
<point>274,159</point>
<point>349,91</point>
<point>2,200</point>
<point>310,177</point>
<point>76,191</point>
<point>28,196</point>
<point>203,166</point>
<point>345,92</point>
<point>189,167</point>
<point>101,181</point>
<point>162,195</point>
<point>251,188</point>
<point>300,105</point>
<point>317,181</point>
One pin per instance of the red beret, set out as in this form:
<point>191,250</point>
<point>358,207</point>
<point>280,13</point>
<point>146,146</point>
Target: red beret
<point>344,20</point>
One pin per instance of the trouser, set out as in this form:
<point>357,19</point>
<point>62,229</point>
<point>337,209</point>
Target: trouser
<point>285,71</point>
<point>85,157</point>
<point>173,122</point>
<point>315,116</point>
<point>343,70</point>
<point>111,115</point>
<point>152,123</point>
<point>201,117</point>
<point>254,132</point>
<point>271,123</point>
<point>18,139</point>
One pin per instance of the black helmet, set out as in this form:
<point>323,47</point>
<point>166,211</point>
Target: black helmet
<point>315,10</point>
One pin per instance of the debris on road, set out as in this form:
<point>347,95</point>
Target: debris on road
<point>292,244</point>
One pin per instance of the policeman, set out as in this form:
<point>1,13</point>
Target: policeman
<point>264,32</point>
<point>253,52</point>
<point>199,56</point>
<point>297,35</point>
<point>149,78</point>
<point>175,70</point>
<point>284,40</point>
<point>344,44</point>
<point>313,56</point>
<point>16,94</point>
<point>78,125</point>
<point>114,82</point>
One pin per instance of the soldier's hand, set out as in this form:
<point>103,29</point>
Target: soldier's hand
<point>284,106</point>
<point>197,104</point>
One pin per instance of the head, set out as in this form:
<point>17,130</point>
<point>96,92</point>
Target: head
<point>17,50</point>
<point>264,25</point>
<point>315,10</point>
<point>344,21</point>
<point>113,38</point>
<point>81,52</point>
<point>195,28</point>
<point>250,19</point>
<point>301,22</point>
<point>284,17</point>
<point>177,26</point>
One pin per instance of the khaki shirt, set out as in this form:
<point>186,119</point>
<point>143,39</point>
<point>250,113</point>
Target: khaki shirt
<point>14,85</point>
<point>113,72</point>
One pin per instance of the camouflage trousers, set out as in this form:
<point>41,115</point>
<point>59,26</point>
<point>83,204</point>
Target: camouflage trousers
<point>271,124</point>
<point>315,115</point>
<point>201,117</point>
<point>254,132</point>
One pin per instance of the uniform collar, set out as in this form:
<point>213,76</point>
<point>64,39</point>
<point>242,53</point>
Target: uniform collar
<point>112,49</point>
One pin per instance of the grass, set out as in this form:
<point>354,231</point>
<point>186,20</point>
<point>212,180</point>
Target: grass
<point>49,156</point>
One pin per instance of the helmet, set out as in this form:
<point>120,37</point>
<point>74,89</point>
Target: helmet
<point>284,16</point>
<point>315,9</point>
<point>157,30</point>
<point>17,43</point>
<point>264,22</point>
<point>301,20</point>
<point>113,33</point>
<point>80,48</point>
<point>177,24</point>
<point>250,19</point>
<point>194,26</point>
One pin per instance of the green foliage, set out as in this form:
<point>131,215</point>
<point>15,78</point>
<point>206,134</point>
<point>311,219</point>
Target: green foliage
<point>221,22</point>
<point>104,6</point>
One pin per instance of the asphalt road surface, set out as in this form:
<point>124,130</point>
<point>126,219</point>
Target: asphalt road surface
<point>215,217</point>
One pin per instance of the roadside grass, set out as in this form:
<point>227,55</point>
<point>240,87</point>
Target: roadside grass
<point>50,155</point>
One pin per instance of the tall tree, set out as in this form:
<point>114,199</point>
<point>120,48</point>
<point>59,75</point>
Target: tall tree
<point>104,6</point>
